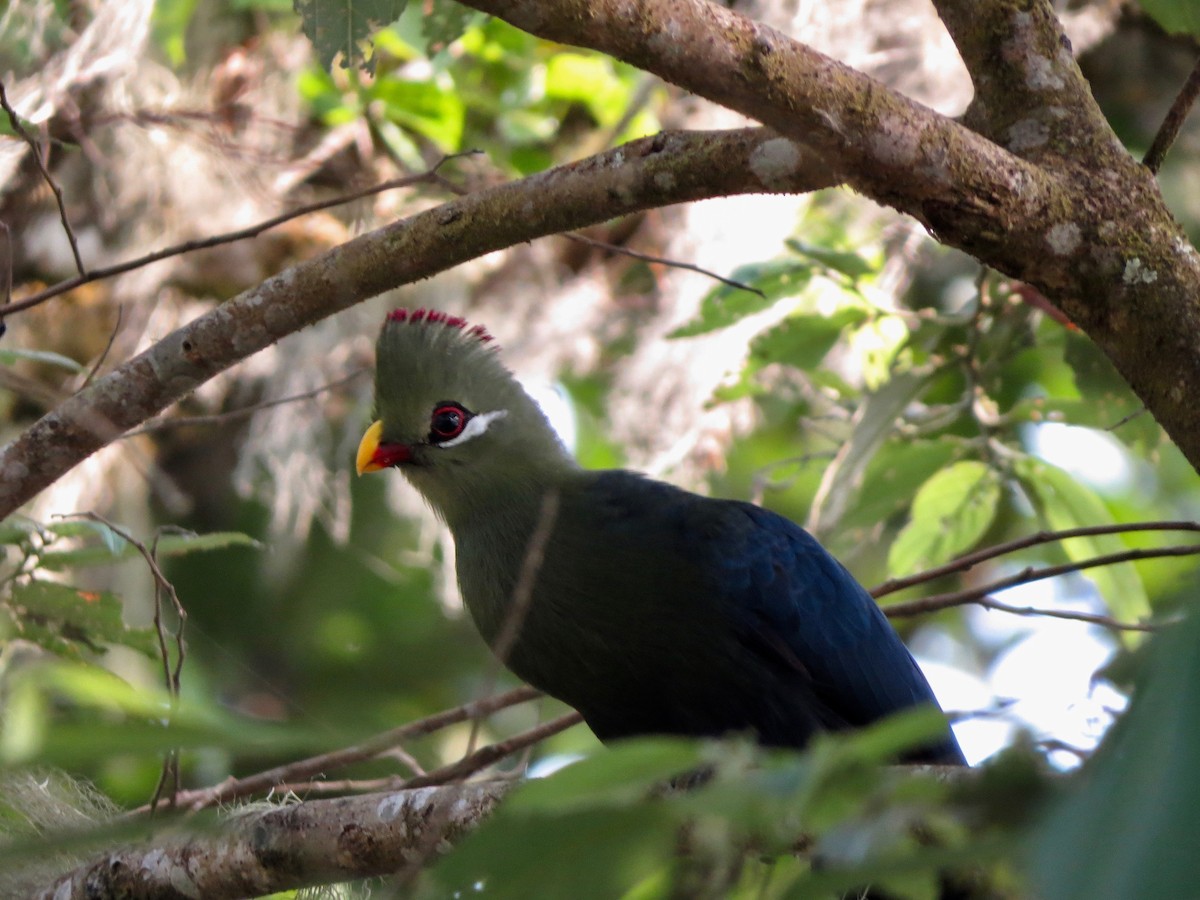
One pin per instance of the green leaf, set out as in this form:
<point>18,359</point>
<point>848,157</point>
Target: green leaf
<point>591,853</point>
<point>170,545</point>
<point>445,23</point>
<point>1062,502</point>
<point>588,79</point>
<point>725,304</point>
<point>341,28</point>
<point>850,264</point>
<point>618,776</point>
<point>11,355</point>
<point>1127,827</point>
<point>71,616</point>
<point>950,513</point>
<point>1175,16</point>
<point>803,341</point>
<point>169,22</point>
<point>425,107</point>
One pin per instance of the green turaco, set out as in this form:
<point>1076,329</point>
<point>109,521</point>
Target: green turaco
<point>649,609</point>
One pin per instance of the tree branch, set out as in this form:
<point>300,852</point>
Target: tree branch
<point>316,842</point>
<point>1086,225</point>
<point>668,168</point>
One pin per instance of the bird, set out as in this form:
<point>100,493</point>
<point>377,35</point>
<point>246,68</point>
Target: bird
<point>650,609</point>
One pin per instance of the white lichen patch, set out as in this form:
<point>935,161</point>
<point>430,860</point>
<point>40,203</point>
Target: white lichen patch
<point>1136,272</point>
<point>664,181</point>
<point>1027,134</point>
<point>894,144</point>
<point>775,162</point>
<point>1064,238</point>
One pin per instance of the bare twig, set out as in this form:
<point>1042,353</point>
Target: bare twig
<point>486,756</point>
<point>164,423</point>
<point>15,121</point>
<point>970,560</point>
<point>171,674</point>
<point>1092,618</point>
<point>661,260</point>
<point>1176,115</point>
<point>234,788</point>
<point>1027,575</point>
<point>107,347</point>
<point>451,773</point>
<point>429,176</point>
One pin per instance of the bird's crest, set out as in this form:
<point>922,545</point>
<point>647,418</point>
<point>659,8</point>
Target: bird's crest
<point>435,317</point>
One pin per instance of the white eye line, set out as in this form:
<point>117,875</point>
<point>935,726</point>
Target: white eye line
<point>476,426</point>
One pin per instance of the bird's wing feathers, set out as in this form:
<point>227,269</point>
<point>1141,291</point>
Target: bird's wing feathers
<point>782,593</point>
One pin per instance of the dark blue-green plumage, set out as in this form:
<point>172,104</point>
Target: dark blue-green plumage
<point>652,610</point>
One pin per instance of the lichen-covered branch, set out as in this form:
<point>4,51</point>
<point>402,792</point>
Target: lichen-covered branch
<point>1068,211</point>
<point>303,844</point>
<point>669,168</point>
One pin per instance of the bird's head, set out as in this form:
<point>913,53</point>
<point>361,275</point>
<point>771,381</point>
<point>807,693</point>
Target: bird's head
<point>450,416</point>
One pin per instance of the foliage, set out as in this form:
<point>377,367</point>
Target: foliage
<point>901,426</point>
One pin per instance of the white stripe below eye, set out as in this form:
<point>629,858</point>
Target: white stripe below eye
<point>475,427</point>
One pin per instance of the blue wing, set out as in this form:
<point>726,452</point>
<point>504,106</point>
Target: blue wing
<point>788,600</point>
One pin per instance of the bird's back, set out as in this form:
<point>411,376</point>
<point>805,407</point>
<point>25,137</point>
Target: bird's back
<point>655,610</point>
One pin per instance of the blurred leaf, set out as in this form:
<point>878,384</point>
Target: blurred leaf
<point>1062,502</point>
<point>424,106</point>
<point>950,513</point>
<point>618,776</point>
<point>588,79</point>
<point>1128,827</point>
<point>1175,16</point>
<point>874,423</point>
<point>97,715</point>
<point>445,23</point>
<point>725,304</point>
<point>169,23</point>
<point>85,617</point>
<point>341,29</point>
<point>583,854</point>
<point>170,545</point>
<point>850,264</point>
<point>803,341</point>
<point>11,355</point>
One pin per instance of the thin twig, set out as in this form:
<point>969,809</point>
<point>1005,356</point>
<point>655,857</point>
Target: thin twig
<point>107,347</point>
<point>1092,618</point>
<point>661,260</point>
<point>970,560</point>
<point>486,756</point>
<point>15,121</point>
<point>234,788</point>
<point>1176,115</point>
<point>522,598</point>
<point>171,674</point>
<point>70,284</point>
<point>8,269</point>
<point>162,423</point>
<point>452,772</point>
<point>1027,575</point>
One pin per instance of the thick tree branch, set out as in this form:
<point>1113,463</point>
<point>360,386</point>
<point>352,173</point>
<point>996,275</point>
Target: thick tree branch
<point>668,168</point>
<point>1087,225</point>
<point>317,842</point>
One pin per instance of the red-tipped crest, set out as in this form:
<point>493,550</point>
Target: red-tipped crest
<point>436,317</point>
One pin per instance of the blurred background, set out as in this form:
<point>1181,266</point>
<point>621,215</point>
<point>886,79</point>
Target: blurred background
<point>881,390</point>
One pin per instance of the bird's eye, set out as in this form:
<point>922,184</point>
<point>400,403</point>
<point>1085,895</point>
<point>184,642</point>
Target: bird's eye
<point>447,422</point>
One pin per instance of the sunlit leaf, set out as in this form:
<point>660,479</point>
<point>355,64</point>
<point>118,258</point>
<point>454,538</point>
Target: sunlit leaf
<point>950,513</point>
<point>847,262</point>
<point>1063,502</point>
<point>725,304</point>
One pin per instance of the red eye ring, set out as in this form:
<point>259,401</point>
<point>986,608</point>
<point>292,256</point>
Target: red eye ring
<point>447,422</point>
